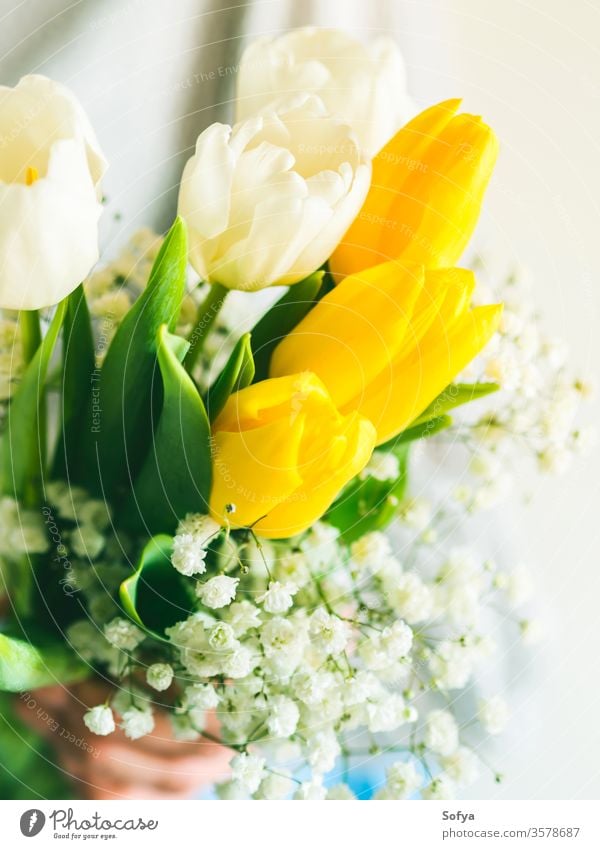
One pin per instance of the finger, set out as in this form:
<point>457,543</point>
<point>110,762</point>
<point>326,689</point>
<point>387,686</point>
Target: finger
<point>129,764</point>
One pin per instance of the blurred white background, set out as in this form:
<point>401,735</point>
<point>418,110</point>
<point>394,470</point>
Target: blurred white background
<point>533,69</point>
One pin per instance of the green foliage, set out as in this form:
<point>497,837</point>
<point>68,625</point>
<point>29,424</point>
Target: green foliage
<point>176,476</point>
<point>121,407</point>
<point>282,318</point>
<point>24,444</point>
<point>27,765</point>
<point>237,374</point>
<point>369,504</point>
<point>24,666</point>
<point>156,596</point>
<point>455,395</point>
<point>77,373</point>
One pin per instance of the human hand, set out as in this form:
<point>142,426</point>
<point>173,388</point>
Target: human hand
<point>154,767</point>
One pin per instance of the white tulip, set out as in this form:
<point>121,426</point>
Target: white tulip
<point>268,200</point>
<point>50,171</point>
<point>364,84</point>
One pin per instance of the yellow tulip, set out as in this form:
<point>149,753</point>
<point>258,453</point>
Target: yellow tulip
<point>386,341</point>
<point>281,454</point>
<point>426,191</point>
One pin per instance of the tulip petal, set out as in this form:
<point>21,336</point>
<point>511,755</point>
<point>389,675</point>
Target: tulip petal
<point>354,331</point>
<point>270,400</point>
<point>255,470</point>
<point>421,377</point>
<point>310,500</point>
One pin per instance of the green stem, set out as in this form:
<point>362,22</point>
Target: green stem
<point>31,334</point>
<point>207,313</point>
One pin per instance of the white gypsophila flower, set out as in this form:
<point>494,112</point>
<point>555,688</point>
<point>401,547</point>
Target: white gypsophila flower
<point>402,780</point>
<point>136,723</point>
<point>383,466</point>
<point>340,793</point>
<point>283,716</point>
<point>248,770</point>
<point>311,791</point>
<point>323,751</point>
<point>279,597</point>
<point>370,550</point>
<point>328,633</point>
<point>311,686</point>
<point>410,597</point>
<point>221,638</point>
<point>218,591</point>
<point>202,696</point>
<point>320,543</point>
<point>191,633</point>
<point>243,616</point>
<point>440,788</point>
<point>493,714</point>
<point>416,513</point>
<point>160,676</point>
<point>188,555</point>
<point>519,586</point>
<point>123,634</point>
<point>50,195</point>
<point>362,83</point>
<point>240,662</point>
<point>293,567</point>
<point>462,766</point>
<point>100,720</point>
<point>285,187</point>
<point>231,791</point>
<point>275,786</point>
<point>283,644</point>
<point>396,640</point>
<point>451,665</point>
<point>388,713</point>
<point>202,527</point>
<point>441,732</point>
<point>86,541</point>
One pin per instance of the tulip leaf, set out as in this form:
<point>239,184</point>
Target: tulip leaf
<point>237,374</point>
<point>121,405</point>
<point>24,443</point>
<point>455,395</point>
<point>283,316</point>
<point>423,430</point>
<point>156,595</point>
<point>175,478</point>
<point>24,666</point>
<point>77,374</point>
<point>368,504</point>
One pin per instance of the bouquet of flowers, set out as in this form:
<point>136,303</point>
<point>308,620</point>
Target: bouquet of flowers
<point>209,498</point>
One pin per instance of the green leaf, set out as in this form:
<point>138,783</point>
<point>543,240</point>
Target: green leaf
<point>281,319</point>
<point>369,504</point>
<point>423,431</point>
<point>176,476</point>
<point>155,596</point>
<point>24,442</point>
<point>77,375</point>
<point>27,768</point>
<point>455,395</point>
<point>24,666</point>
<point>121,408</point>
<point>237,374</point>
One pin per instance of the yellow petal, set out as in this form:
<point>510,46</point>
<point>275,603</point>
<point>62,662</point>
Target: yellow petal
<point>427,186</point>
<point>354,332</point>
<point>353,447</point>
<point>270,400</point>
<point>255,470</point>
<point>423,374</point>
